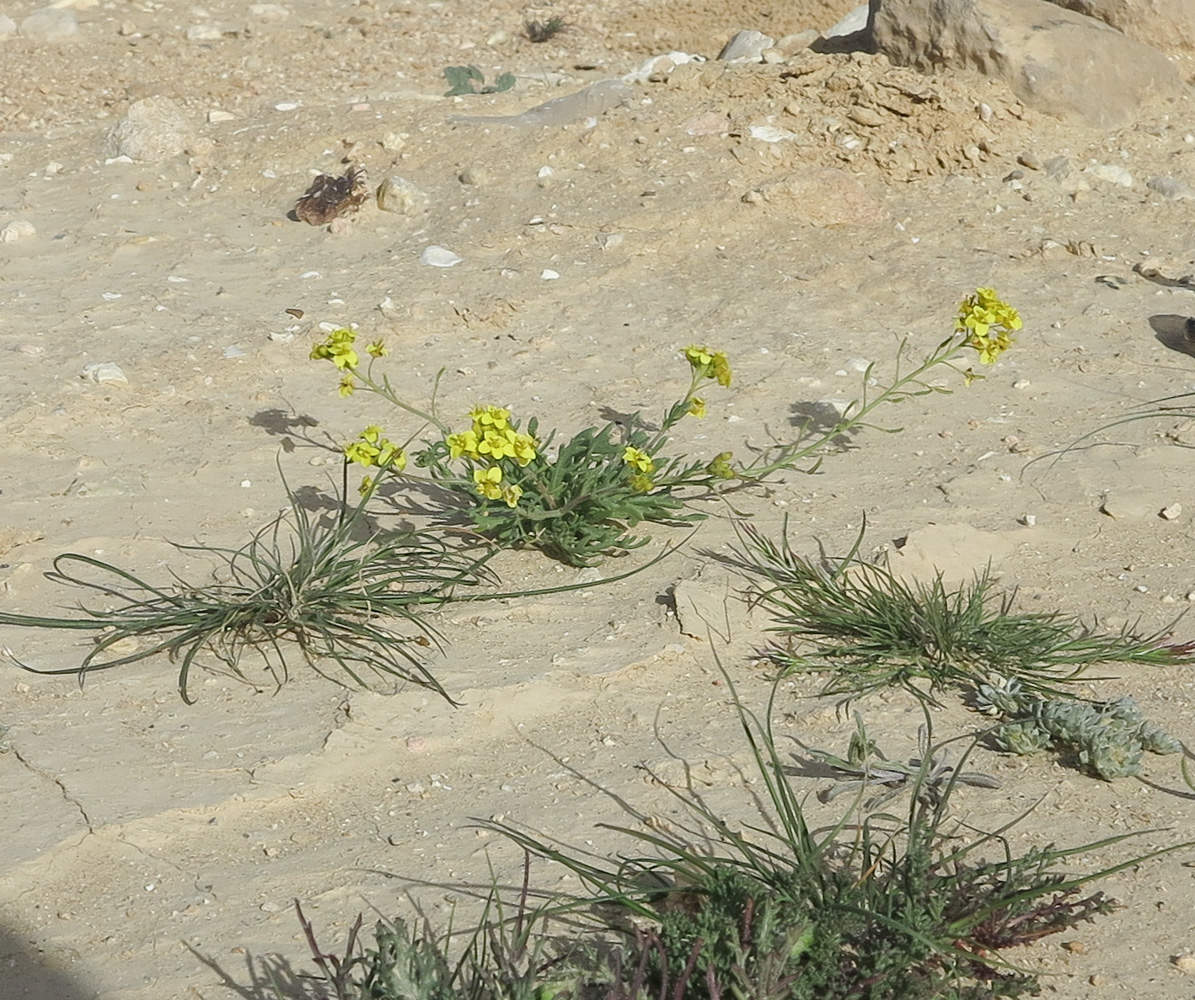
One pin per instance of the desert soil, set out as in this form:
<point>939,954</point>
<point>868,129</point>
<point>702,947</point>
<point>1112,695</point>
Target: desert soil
<point>153,849</point>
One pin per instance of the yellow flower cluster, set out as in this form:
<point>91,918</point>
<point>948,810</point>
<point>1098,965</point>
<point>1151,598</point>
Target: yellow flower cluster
<point>710,364</point>
<point>338,348</point>
<point>491,437</point>
<point>643,465</point>
<point>489,485</point>
<point>371,449</point>
<point>988,321</point>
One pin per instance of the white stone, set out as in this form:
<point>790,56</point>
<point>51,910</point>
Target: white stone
<point>153,129</point>
<point>18,229</point>
<point>1110,173</point>
<point>216,115</point>
<point>50,25</point>
<point>105,371</point>
<point>436,256</point>
<point>204,33</point>
<point>856,20</point>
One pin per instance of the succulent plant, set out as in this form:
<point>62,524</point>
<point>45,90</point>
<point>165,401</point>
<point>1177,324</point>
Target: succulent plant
<point>1109,738</point>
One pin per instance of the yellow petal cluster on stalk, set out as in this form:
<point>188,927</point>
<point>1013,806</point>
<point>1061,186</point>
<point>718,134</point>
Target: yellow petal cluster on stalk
<point>639,460</point>
<point>371,449</point>
<point>488,481</point>
<point>337,347</point>
<point>709,364</point>
<point>492,438</point>
<point>988,322</point>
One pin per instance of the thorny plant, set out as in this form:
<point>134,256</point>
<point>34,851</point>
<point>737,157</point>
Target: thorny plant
<point>865,766</point>
<point>583,502</point>
<point>869,629</point>
<point>326,587</point>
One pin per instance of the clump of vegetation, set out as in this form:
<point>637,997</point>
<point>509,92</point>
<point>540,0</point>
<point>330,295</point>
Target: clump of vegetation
<point>865,766</point>
<point>544,31</point>
<point>470,80</point>
<point>874,907</point>
<point>329,589</point>
<point>579,499</point>
<point>1107,738</point>
<point>869,629</point>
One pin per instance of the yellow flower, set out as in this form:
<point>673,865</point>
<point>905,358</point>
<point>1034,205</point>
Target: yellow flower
<point>366,486</point>
<point>720,467</point>
<point>346,386</point>
<point>511,495</point>
<point>638,459</point>
<point>641,483</point>
<point>337,347</point>
<point>377,349</point>
<point>371,449</point>
<point>697,407</point>
<point>464,443</point>
<point>709,364</point>
<point>497,444</point>
<point>487,418</point>
<point>487,481</point>
<point>524,448</point>
<point>988,322</point>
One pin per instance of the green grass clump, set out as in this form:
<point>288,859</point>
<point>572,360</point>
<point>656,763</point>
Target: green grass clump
<point>871,630</point>
<point>328,589</point>
<point>876,907</point>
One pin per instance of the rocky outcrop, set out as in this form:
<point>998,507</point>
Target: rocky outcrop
<point>1055,60</point>
<point>1168,25</point>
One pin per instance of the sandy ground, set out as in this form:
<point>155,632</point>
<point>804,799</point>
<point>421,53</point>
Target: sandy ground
<point>153,849</point>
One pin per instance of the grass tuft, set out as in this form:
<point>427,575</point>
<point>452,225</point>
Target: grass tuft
<point>871,630</point>
<point>324,587</point>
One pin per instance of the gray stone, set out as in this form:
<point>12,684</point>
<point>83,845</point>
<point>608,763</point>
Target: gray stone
<point>153,129</point>
<point>1055,60</point>
<point>50,25</point>
<point>1168,25</point>
<point>1171,188</point>
<point>746,46</point>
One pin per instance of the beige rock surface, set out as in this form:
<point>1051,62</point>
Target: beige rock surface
<point>1055,60</point>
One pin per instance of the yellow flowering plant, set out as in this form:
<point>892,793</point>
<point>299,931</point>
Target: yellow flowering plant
<point>580,500</point>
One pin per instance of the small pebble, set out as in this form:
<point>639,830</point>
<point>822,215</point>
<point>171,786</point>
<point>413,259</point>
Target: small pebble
<point>1021,383</point>
<point>1075,947</point>
<point>18,229</point>
<point>104,371</point>
<point>286,106</point>
<point>50,25</point>
<point>437,256</point>
<point>1171,512</point>
<point>1171,188</point>
<point>232,351</point>
<point>549,274</point>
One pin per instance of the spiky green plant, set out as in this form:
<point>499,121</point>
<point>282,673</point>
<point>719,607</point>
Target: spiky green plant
<point>869,629</point>
<point>329,588</point>
<point>872,907</point>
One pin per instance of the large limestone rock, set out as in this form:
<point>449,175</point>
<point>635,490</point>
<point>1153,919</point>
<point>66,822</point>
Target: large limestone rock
<point>1168,25</point>
<point>1055,60</point>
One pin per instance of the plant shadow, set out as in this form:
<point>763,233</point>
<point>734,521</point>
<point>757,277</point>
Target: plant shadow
<point>269,977</point>
<point>1171,331</point>
<point>26,977</point>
